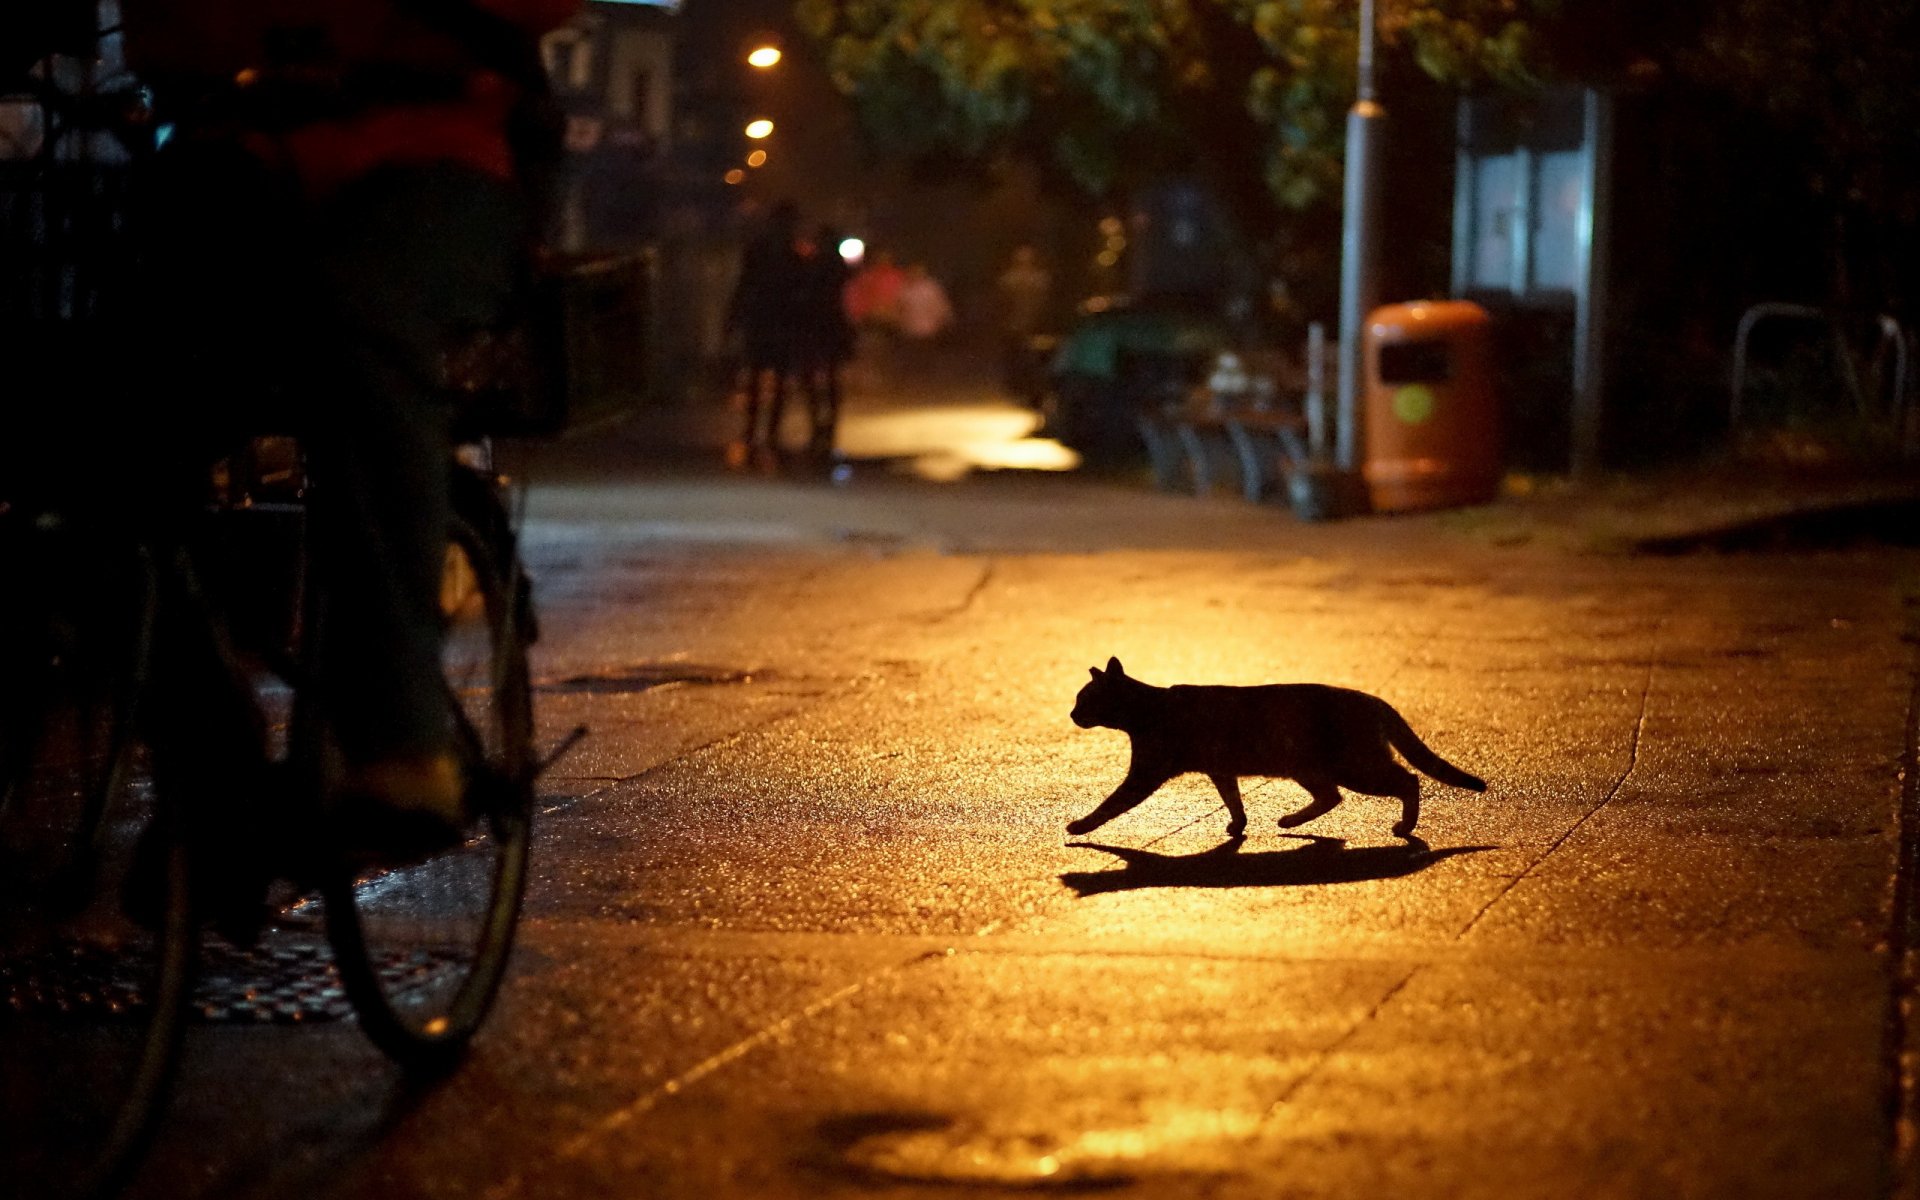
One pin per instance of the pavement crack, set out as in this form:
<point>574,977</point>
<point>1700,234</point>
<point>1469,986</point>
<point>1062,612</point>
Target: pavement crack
<point>973,593</point>
<point>1247,792</point>
<point>727,738</point>
<point>1326,1055</point>
<point>1633,761</point>
<point>581,1143</point>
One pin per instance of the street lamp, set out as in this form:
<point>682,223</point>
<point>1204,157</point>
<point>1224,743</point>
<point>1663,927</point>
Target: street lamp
<point>759,128</point>
<point>764,57</point>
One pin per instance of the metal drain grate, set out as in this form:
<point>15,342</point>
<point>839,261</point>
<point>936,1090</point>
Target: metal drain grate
<point>284,983</point>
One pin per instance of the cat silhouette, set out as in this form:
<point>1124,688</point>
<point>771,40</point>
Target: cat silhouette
<point>1323,738</point>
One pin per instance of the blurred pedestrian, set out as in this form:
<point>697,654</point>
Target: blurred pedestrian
<point>925,316</point>
<point>826,335</point>
<point>873,294</point>
<point>873,303</point>
<point>761,317</point>
<point>925,311</point>
<point>1025,290</point>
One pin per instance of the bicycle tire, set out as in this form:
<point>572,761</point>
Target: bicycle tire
<point>421,975</point>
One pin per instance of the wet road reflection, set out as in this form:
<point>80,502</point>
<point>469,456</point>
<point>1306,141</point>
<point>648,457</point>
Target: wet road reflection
<point>946,443</point>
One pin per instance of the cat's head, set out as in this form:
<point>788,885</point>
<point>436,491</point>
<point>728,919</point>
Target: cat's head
<point>1103,700</point>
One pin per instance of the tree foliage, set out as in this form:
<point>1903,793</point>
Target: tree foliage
<point>1249,92</point>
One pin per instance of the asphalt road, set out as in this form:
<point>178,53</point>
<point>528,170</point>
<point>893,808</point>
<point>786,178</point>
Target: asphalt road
<point>805,921</point>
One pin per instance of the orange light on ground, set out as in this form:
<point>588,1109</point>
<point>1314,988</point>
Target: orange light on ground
<point>759,128</point>
<point>736,175</point>
<point>757,159</point>
<point>955,440</point>
<point>764,57</point>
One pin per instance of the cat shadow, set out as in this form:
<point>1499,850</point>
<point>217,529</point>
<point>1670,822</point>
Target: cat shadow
<point>1321,860</point>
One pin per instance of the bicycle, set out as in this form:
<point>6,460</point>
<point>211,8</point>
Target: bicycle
<point>420,949</point>
<point>101,937</point>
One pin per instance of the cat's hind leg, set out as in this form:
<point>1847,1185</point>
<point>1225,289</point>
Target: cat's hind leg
<point>1229,787</point>
<point>1325,797</point>
<point>1397,782</point>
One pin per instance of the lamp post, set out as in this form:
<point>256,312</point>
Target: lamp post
<point>1359,243</point>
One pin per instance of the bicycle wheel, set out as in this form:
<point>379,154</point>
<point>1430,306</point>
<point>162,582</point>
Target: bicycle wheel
<point>93,1001</point>
<point>422,949</point>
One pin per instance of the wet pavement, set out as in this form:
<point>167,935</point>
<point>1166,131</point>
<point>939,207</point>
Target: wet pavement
<point>805,922</point>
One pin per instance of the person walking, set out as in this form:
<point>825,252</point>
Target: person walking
<point>1025,289</point>
<point>761,317</point>
<point>826,336</point>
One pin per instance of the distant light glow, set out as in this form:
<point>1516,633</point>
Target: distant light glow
<point>757,159</point>
<point>736,175</point>
<point>852,251</point>
<point>764,57</point>
<point>952,442</point>
<point>759,128</point>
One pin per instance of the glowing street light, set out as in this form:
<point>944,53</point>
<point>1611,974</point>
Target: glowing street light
<point>736,176</point>
<point>757,159</point>
<point>764,57</point>
<point>759,128</point>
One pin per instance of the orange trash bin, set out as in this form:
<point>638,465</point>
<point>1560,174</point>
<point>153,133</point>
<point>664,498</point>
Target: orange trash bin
<point>1432,418</point>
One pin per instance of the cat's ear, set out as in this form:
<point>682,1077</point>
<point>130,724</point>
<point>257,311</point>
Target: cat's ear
<point>1113,665</point>
<point>1094,671</point>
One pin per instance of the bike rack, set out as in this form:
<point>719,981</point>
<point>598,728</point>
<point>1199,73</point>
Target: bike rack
<point>1893,340</point>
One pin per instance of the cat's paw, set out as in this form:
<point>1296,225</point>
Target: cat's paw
<point>1403,829</point>
<point>1236,828</point>
<point>1293,819</point>
<point>1081,826</point>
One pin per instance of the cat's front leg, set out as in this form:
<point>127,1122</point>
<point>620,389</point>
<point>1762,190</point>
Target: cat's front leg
<point>1132,790</point>
<point>1229,788</point>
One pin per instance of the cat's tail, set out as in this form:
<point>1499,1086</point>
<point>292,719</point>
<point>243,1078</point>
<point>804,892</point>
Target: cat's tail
<point>1408,743</point>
